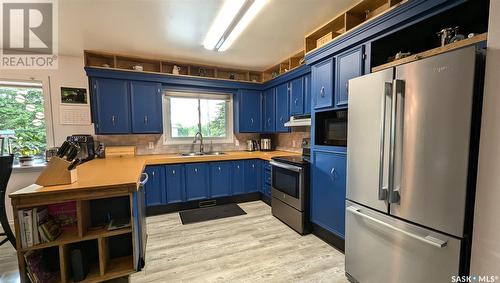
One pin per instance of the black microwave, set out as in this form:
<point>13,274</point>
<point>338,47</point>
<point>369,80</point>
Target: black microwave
<point>331,128</point>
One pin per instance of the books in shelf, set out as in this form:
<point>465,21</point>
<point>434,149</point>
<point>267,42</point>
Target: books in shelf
<point>37,226</point>
<point>36,268</point>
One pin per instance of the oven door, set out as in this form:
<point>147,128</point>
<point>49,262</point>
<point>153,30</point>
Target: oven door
<point>288,184</point>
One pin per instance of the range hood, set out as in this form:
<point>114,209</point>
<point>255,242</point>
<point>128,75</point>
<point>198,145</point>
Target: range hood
<point>299,121</point>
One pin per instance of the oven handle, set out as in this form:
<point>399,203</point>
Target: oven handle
<point>286,166</point>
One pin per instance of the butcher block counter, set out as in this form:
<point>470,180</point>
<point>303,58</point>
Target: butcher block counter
<point>100,183</point>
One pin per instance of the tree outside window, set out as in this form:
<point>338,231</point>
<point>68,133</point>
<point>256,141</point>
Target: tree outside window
<point>22,112</point>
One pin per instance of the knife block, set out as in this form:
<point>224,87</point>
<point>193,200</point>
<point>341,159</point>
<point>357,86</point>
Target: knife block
<point>57,173</point>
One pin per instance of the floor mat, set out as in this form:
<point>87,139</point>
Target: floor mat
<point>210,213</point>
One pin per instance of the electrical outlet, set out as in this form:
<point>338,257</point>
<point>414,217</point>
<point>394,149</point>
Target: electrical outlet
<point>151,145</point>
<point>236,143</point>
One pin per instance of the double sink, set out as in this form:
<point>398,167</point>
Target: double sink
<point>202,153</point>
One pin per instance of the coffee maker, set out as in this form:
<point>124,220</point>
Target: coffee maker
<point>86,145</point>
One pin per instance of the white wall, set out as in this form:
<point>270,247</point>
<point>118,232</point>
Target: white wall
<point>70,73</point>
<point>486,238</point>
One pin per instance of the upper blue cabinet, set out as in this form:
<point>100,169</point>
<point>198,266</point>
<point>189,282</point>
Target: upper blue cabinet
<point>124,107</point>
<point>307,94</point>
<point>146,107</point>
<point>111,106</point>
<point>322,83</point>
<point>248,109</point>
<point>269,110</point>
<point>282,107</point>
<point>297,98</point>
<point>349,64</point>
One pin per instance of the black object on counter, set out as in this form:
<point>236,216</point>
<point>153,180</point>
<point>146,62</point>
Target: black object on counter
<point>63,149</point>
<point>74,164</point>
<point>72,152</point>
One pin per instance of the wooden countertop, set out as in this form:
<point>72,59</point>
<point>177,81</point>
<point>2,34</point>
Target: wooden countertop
<point>126,171</point>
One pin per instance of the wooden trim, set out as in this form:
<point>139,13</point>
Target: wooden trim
<point>435,51</point>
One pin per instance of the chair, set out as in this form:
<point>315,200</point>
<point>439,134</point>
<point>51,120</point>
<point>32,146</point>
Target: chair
<point>5,171</point>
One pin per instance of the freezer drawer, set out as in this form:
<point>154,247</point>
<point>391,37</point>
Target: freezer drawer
<point>380,248</point>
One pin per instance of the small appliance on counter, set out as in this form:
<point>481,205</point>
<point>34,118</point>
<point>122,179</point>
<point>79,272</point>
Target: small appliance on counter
<point>86,144</point>
<point>252,145</point>
<point>290,189</point>
<point>266,144</point>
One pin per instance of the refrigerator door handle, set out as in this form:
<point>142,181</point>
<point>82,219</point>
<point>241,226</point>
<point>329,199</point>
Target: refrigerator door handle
<point>382,190</point>
<point>427,239</point>
<point>397,94</point>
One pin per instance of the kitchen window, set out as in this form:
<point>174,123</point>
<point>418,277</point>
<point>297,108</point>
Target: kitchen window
<point>22,119</point>
<point>187,113</point>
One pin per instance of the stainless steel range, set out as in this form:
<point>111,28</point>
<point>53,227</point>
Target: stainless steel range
<point>290,189</point>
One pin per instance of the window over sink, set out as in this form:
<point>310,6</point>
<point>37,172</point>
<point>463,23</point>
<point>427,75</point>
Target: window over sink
<point>187,113</point>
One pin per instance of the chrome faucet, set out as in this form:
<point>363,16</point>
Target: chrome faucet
<point>199,136</point>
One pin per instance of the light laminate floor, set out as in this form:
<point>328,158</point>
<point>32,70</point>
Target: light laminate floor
<point>251,248</point>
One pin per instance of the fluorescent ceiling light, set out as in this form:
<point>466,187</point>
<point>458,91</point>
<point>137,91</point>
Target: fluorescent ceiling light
<point>223,20</point>
<point>231,21</point>
<point>254,9</point>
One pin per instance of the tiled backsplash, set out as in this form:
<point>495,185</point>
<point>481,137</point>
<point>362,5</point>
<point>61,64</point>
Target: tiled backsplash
<point>285,141</point>
<point>291,141</point>
<point>142,143</point>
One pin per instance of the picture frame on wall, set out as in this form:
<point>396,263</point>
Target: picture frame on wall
<point>74,96</point>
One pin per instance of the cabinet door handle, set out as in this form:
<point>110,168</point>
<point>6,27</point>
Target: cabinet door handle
<point>281,119</point>
<point>322,91</point>
<point>332,173</point>
<point>269,121</point>
<point>219,168</point>
<point>296,101</point>
<point>153,173</point>
<point>196,170</point>
<point>113,120</point>
<point>347,87</point>
<point>173,172</point>
<point>251,121</point>
<point>238,166</point>
<point>253,165</point>
<point>146,120</point>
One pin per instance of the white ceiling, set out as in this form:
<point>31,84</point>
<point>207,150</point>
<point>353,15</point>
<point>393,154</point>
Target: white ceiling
<point>175,29</point>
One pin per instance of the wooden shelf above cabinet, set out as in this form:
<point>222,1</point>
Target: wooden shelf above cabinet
<point>435,51</point>
<point>358,14</point>
<point>126,62</point>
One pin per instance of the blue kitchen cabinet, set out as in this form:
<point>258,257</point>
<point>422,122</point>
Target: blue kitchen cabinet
<point>307,94</point>
<point>220,179</point>
<point>111,103</point>
<point>253,171</point>
<point>269,110</point>
<point>154,188</point>
<point>329,191</point>
<point>238,177</point>
<point>266,178</point>
<point>282,108</point>
<point>146,107</point>
<point>349,64</point>
<point>296,88</point>
<point>322,83</point>
<point>174,184</point>
<point>197,185</point>
<point>248,110</point>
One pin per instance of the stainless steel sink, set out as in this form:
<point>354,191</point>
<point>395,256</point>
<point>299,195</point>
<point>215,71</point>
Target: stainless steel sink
<point>202,153</point>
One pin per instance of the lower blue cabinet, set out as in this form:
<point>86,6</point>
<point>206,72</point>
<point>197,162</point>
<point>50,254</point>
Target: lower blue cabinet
<point>238,177</point>
<point>220,179</point>
<point>174,184</point>
<point>253,169</point>
<point>329,191</point>
<point>196,181</point>
<point>154,187</point>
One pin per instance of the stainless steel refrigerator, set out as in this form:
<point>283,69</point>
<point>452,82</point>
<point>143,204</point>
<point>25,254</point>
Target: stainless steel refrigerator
<point>413,135</point>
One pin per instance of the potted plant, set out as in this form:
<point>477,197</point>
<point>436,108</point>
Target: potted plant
<point>26,150</point>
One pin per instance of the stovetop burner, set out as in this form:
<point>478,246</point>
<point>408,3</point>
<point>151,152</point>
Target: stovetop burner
<point>299,160</point>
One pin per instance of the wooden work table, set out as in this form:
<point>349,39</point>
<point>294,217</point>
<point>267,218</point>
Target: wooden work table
<point>98,179</point>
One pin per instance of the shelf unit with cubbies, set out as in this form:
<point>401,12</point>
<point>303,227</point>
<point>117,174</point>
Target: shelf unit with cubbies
<point>89,233</point>
<point>284,66</point>
<point>353,17</point>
